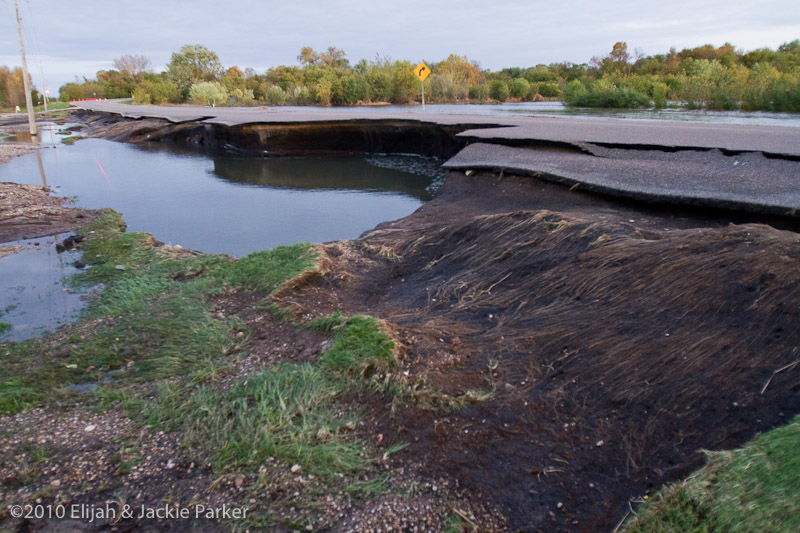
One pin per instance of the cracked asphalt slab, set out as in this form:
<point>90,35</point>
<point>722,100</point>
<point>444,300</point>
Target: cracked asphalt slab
<point>747,181</point>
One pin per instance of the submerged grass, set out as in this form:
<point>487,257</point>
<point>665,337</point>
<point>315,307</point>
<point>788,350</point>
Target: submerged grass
<point>754,488</point>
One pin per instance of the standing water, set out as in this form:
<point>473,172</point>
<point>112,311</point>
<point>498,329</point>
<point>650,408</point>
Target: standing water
<point>33,296</point>
<point>229,204</point>
<point>220,204</point>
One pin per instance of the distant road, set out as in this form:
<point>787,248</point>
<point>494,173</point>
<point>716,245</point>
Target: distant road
<point>611,132</point>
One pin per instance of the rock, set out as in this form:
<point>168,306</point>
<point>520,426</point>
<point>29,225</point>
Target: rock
<point>55,483</point>
<point>90,428</point>
<point>120,267</point>
<point>79,264</point>
<point>600,443</point>
<point>295,468</point>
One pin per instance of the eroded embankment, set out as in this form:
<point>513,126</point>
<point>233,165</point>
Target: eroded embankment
<point>282,139</point>
<point>614,342</point>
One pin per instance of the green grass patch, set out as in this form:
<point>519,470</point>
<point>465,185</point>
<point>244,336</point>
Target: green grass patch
<point>756,488</point>
<point>361,348</point>
<point>289,412</point>
<point>70,140</point>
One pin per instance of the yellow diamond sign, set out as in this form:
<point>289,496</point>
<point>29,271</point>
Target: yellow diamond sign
<point>422,71</point>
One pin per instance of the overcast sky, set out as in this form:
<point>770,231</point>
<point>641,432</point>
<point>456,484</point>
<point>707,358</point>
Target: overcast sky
<point>82,37</point>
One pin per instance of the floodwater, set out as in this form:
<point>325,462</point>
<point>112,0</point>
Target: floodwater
<point>233,204</point>
<point>33,294</point>
<point>48,134</point>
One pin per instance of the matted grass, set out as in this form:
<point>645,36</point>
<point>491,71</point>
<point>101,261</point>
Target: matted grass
<point>755,488</point>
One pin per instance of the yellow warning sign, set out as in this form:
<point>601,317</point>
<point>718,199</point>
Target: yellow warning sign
<point>422,71</point>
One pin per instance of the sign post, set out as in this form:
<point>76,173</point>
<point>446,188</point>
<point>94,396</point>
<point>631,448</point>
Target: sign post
<point>422,71</point>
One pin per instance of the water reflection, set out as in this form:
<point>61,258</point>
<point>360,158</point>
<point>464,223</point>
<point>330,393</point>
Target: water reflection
<point>32,291</point>
<point>321,174</point>
<point>47,134</point>
<point>231,204</point>
<point>41,168</point>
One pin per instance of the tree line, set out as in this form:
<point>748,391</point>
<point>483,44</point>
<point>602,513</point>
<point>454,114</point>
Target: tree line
<point>704,77</point>
<point>12,88</point>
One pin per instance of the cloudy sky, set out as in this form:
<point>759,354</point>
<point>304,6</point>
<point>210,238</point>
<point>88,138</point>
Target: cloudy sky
<point>79,38</point>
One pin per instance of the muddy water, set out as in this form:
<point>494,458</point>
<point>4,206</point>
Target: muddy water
<point>33,296</point>
<point>231,204</point>
<point>48,134</point>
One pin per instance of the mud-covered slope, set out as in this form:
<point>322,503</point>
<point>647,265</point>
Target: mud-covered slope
<point>616,341</point>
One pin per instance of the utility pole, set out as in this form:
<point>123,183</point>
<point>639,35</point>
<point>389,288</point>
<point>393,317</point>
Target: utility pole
<point>26,83</point>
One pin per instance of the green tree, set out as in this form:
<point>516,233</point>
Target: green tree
<point>519,87</point>
<point>193,64</point>
<point>499,90</point>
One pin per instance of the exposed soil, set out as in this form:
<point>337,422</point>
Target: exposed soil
<point>28,212</point>
<point>10,151</point>
<point>618,340</point>
<point>319,138</point>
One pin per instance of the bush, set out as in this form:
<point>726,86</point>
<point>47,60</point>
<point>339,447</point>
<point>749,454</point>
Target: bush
<point>519,87</point>
<point>479,93</point>
<point>498,90</point>
<point>301,95</point>
<point>208,93</point>
<point>660,95</point>
<point>575,92</point>
<point>243,97</point>
<point>549,90</point>
<point>405,85</point>
<point>604,94</point>
<point>156,92</point>
<point>277,96</point>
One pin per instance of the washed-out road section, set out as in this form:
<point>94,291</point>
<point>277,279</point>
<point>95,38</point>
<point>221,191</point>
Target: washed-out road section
<point>729,166</point>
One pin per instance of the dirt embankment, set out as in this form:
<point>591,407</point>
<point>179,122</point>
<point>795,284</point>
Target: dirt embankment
<point>283,139</point>
<point>28,212</point>
<point>614,340</point>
